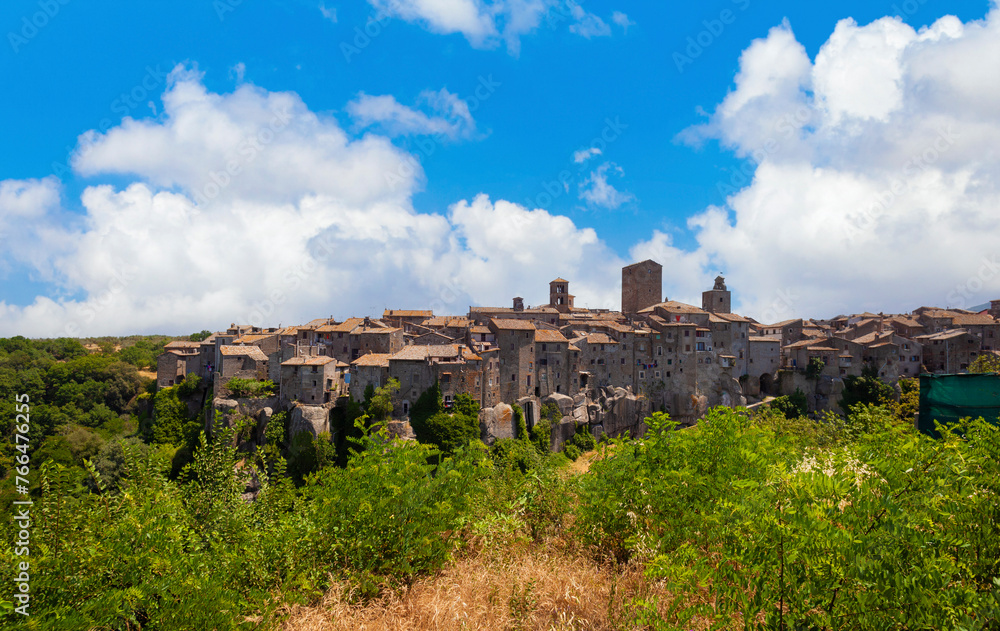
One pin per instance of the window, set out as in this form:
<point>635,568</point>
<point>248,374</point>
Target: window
<point>687,348</point>
<point>659,350</point>
<point>642,375</point>
<point>657,374</point>
<point>700,346</point>
<point>314,383</point>
<point>543,347</point>
<point>687,333</point>
<point>529,380</point>
<point>623,361</point>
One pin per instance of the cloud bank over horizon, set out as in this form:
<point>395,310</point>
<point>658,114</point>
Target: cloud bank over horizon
<point>871,184</point>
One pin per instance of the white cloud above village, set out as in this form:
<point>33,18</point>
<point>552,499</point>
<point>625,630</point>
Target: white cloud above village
<point>871,189</point>
<point>488,23</point>
<point>249,207</point>
<point>598,192</point>
<point>449,115</point>
<point>872,172</point>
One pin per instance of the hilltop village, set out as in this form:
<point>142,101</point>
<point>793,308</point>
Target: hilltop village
<point>607,369</point>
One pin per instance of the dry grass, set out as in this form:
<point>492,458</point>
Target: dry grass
<point>527,587</point>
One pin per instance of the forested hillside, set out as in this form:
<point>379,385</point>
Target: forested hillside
<point>764,520</point>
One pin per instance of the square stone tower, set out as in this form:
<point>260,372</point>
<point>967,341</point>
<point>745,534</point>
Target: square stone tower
<point>559,296</point>
<point>718,299</point>
<point>642,286</point>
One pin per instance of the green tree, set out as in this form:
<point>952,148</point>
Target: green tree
<point>865,390</point>
<point>793,405</point>
<point>815,368</point>
<point>986,363</point>
<point>378,403</point>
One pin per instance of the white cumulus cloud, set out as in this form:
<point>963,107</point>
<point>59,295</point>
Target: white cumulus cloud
<point>597,191</point>
<point>305,222</point>
<point>449,117</point>
<point>875,171</point>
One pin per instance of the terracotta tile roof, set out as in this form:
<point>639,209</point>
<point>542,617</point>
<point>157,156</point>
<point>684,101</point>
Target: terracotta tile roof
<point>672,306</point>
<point>420,352</point>
<point>730,317</point>
<point>573,347</point>
<point>469,355</point>
<point>764,338</point>
<point>783,323</point>
<point>405,313</point>
<point>313,360</point>
<point>974,319</point>
<point>944,335</point>
<point>510,324</point>
<point>178,344</point>
<point>376,331</point>
<point>251,351</point>
<point>549,336</point>
<point>380,360</point>
<point>256,337</point>
<point>346,326</point>
<point>318,322</point>
<point>600,338</point>
<point>559,280</point>
<point>480,329</point>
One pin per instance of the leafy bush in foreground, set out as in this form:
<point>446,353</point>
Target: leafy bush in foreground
<point>886,529</point>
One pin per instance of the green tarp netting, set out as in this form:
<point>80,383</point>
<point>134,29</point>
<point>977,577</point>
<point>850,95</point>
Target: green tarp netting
<point>948,398</point>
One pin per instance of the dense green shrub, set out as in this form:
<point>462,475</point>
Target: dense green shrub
<point>883,528</point>
<point>510,453</point>
<point>792,405</point>
<point>251,388</point>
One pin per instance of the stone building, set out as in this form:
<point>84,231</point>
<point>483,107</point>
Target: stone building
<point>516,344</point>
<point>763,363</point>
<point>554,369</point>
<point>401,317</point>
<point>949,351</point>
<point>178,360</point>
<point>718,299</point>
<point>456,369</point>
<point>642,286</point>
<point>368,370</point>
<point>559,297</point>
<point>312,380</point>
<point>244,362</point>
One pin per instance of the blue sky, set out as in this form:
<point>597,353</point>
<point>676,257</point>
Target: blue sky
<point>644,74</point>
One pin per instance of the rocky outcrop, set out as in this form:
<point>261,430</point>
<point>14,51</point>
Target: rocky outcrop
<point>311,418</point>
<point>619,411</point>
<point>400,429</point>
<point>497,422</point>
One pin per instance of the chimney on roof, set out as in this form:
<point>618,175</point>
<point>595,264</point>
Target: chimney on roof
<point>518,304</point>
<point>368,322</point>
